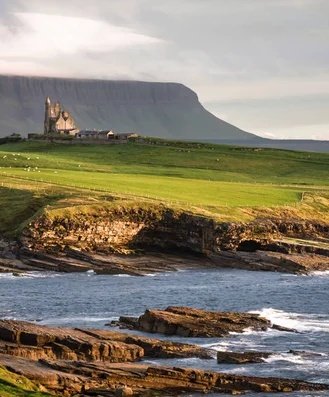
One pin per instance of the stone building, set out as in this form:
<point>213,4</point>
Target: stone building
<point>58,120</point>
<point>105,135</point>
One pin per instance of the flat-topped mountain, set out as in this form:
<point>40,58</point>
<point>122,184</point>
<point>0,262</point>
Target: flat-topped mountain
<point>168,110</point>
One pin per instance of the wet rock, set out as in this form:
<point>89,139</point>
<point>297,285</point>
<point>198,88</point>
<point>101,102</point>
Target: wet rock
<point>284,262</point>
<point>241,358</point>
<point>305,354</point>
<point>284,329</point>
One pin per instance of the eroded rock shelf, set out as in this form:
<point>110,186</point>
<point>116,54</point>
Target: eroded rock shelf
<point>89,362</point>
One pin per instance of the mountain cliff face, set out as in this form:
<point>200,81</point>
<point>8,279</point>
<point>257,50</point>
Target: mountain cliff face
<point>167,110</point>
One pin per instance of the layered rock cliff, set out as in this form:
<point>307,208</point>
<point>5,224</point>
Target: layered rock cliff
<point>168,110</point>
<point>79,241</point>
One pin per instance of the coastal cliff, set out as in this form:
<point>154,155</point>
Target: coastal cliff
<point>139,240</point>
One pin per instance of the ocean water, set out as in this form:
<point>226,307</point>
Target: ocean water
<point>89,300</point>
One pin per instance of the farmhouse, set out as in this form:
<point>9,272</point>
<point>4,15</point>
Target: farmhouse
<point>105,135</point>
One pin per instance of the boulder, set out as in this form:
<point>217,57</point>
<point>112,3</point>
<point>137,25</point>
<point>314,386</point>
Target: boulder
<point>189,322</point>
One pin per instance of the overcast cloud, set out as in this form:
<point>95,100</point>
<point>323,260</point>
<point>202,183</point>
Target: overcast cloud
<point>259,64</point>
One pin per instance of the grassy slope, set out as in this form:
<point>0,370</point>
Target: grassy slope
<point>204,178</point>
<point>12,385</point>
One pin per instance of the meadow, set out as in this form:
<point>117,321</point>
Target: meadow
<point>204,178</point>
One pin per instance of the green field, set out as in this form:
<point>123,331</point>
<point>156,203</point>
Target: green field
<point>220,180</point>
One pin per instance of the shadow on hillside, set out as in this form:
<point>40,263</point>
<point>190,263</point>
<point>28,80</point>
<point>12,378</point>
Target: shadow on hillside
<point>17,207</point>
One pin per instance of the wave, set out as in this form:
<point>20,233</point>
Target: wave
<point>320,273</point>
<point>299,322</point>
<point>29,275</point>
<point>291,358</point>
<point>235,344</point>
<point>76,319</point>
<point>246,331</point>
<point>7,276</point>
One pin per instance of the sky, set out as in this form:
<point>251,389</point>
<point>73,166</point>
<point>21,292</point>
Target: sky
<point>262,65</point>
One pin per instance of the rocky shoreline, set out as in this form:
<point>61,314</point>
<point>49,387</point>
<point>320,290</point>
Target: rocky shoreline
<point>17,259</point>
<point>93,362</point>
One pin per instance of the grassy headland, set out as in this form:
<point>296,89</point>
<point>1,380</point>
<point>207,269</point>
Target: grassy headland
<point>225,182</point>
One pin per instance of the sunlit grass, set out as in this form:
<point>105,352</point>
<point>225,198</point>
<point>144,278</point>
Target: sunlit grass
<point>219,181</point>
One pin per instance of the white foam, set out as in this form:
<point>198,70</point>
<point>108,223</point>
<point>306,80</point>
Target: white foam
<point>324,273</point>
<point>14,276</point>
<point>7,276</point>
<point>122,275</point>
<point>246,331</point>
<point>291,358</point>
<point>77,319</point>
<point>297,321</point>
<point>234,343</point>
<point>42,275</point>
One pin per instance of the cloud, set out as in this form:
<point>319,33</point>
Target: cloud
<point>229,52</point>
<point>43,36</point>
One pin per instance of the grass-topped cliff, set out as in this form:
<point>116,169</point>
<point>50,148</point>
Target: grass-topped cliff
<point>223,182</point>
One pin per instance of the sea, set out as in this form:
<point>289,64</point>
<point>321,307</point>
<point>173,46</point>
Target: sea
<point>293,301</point>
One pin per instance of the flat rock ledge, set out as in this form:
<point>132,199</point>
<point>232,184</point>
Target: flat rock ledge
<point>36,342</point>
<point>89,362</point>
<point>81,378</point>
<point>190,322</point>
<point>246,251</point>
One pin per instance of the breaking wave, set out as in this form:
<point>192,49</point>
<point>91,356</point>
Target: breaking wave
<point>296,321</point>
<point>77,319</point>
<point>29,275</point>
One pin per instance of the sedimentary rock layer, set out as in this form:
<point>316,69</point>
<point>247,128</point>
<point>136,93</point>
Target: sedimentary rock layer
<point>102,242</point>
<point>258,245</point>
<point>71,362</point>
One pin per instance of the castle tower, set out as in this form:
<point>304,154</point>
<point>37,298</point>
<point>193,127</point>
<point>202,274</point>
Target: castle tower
<point>58,121</point>
<point>47,114</point>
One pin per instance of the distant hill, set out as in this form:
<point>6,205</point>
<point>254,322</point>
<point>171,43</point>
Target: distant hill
<point>167,110</point>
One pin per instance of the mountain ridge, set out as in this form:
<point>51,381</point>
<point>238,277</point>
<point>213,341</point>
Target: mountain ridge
<point>167,110</point>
